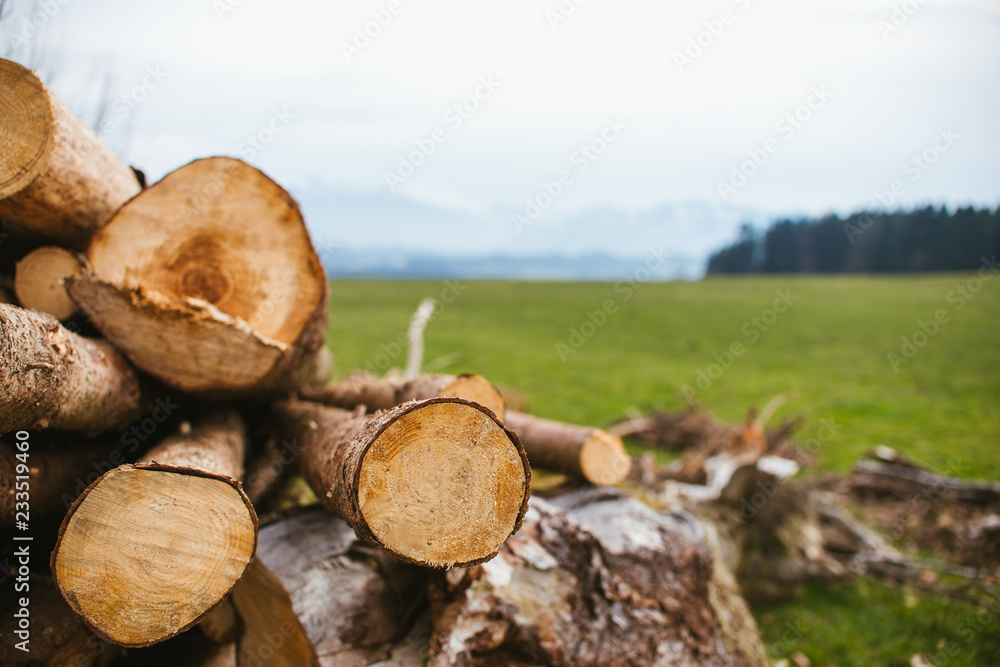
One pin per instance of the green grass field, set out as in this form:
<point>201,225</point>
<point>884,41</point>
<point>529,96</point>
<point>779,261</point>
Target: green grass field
<point>588,352</point>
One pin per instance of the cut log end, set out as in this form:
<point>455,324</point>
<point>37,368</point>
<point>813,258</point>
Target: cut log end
<point>25,127</point>
<point>146,552</point>
<point>477,389</point>
<point>38,281</point>
<point>443,485</point>
<point>603,459</point>
<point>230,308</point>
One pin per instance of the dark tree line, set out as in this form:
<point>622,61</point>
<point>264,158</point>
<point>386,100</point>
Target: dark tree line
<point>927,239</point>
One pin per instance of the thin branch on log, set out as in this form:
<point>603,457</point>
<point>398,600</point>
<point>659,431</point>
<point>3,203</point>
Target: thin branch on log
<point>438,483</point>
<point>56,177</point>
<point>590,453</point>
<point>52,378</point>
<point>386,392</point>
<point>198,298</point>
<point>148,550</point>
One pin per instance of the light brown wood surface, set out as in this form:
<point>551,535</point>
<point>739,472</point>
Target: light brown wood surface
<point>56,177</point>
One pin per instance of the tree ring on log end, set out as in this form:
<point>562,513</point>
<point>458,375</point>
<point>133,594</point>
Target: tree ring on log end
<point>429,492</point>
<point>26,128</point>
<point>149,550</point>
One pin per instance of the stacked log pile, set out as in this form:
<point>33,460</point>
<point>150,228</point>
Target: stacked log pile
<point>162,345</point>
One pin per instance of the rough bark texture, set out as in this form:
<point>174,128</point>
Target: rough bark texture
<point>58,638</point>
<point>148,550</point>
<point>352,602</point>
<point>208,281</point>
<point>605,580</point>
<point>39,281</point>
<point>439,482</point>
<point>386,392</point>
<point>56,463</point>
<point>52,378</point>
<point>217,445</point>
<point>592,454</point>
<point>56,177</point>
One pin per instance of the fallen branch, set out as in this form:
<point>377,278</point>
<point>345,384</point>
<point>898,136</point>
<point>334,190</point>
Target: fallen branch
<point>590,453</point>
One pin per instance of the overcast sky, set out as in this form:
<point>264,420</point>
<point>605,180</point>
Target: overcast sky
<point>670,97</point>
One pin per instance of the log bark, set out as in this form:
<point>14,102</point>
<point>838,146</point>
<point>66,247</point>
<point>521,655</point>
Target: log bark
<point>52,378</point>
<point>322,597</point>
<point>55,461</point>
<point>148,550</point>
<point>56,177</point>
<point>208,281</point>
<point>590,453</point>
<point>221,624</point>
<point>386,392</point>
<point>57,636</point>
<point>599,579</point>
<point>905,481</point>
<point>39,281</point>
<point>438,483</point>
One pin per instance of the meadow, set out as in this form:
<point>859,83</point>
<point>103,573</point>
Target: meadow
<point>909,362</point>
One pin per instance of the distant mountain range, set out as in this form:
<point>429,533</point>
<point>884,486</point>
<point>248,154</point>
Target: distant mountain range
<point>380,234</point>
<point>342,263</point>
